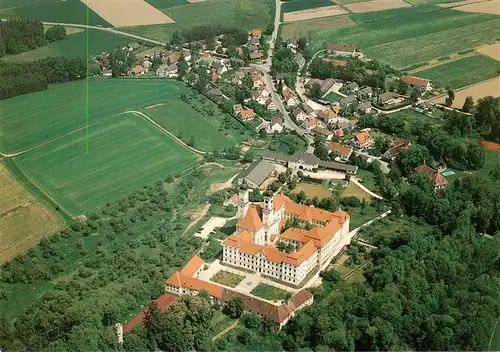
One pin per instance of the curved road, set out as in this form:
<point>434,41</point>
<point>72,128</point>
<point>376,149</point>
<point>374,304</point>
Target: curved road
<point>104,29</point>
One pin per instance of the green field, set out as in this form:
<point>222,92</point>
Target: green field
<point>232,13</point>
<point>74,45</point>
<point>297,5</point>
<point>333,97</point>
<point>304,28</point>
<point>209,131</point>
<point>271,293</point>
<point>165,4</point>
<point>462,72</point>
<point>34,118</point>
<point>67,11</point>
<point>406,36</point>
<point>124,153</point>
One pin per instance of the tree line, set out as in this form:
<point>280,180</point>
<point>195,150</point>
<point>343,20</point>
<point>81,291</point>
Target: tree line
<point>21,78</point>
<point>17,36</point>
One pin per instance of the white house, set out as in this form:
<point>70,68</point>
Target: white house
<point>290,97</point>
<point>167,71</point>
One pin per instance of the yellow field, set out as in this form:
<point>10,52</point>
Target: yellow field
<point>312,190</point>
<point>309,14</point>
<point>491,7</point>
<point>23,220</point>
<point>375,5</point>
<point>352,190</point>
<point>127,13</point>
<point>480,90</point>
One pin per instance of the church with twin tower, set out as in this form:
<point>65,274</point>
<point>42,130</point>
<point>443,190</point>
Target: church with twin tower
<point>319,236</point>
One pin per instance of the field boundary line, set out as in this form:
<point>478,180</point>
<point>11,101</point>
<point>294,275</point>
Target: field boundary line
<point>162,129</point>
<point>12,155</point>
<point>33,187</point>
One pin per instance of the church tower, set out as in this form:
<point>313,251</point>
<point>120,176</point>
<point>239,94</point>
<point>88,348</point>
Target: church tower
<point>269,217</point>
<point>243,201</point>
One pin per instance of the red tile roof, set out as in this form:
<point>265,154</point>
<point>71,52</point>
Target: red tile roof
<point>342,150</point>
<point>363,137</point>
<point>163,302</point>
<point>252,220</point>
<point>192,266</point>
<point>435,176</point>
<point>416,81</point>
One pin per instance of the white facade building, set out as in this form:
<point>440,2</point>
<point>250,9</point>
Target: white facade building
<point>252,245</point>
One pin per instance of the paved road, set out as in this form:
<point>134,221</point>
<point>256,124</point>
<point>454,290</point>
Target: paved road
<point>357,183</point>
<point>109,30</point>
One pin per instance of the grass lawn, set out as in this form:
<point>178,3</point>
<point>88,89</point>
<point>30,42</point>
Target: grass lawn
<point>24,219</point>
<point>201,122</point>
<point>406,36</point>
<point>34,118</point>
<point>68,11</point>
<point>124,153</point>
<point>219,322</point>
<point>353,190</point>
<point>360,215</point>
<point>245,14</point>
<point>333,97</point>
<point>368,179</point>
<point>287,144</point>
<point>297,5</point>
<point>312,190</point>
<point>388,227</point>
<point>303,28</point>
<point>462,72</point>
<point>74,45</point>
<point>269,292</point>
<point>227,278</point>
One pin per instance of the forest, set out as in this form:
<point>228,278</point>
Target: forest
<point>17,36</point>
<point>22,78</point>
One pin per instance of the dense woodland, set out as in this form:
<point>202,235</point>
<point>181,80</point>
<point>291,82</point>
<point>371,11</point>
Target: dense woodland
<point>22,78</point>
<point>17,36</point>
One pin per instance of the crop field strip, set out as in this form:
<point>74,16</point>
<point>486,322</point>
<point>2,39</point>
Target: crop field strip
<point>297,5</point>
<point>304,28</point>
<point>182,120</point>
<point>74,45</point>
<point>68,11</point>
<point>232,13</point>
<point>462,72</point>
<point>32,119</point>
<point>23,219</point>
<point>424,33</point>
<point>124,154</point>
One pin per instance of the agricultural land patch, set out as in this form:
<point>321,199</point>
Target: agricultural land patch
<point>462,72</point>
<point>165,4</point>
<point>314,13</point>
<point>74,45</point>
<point>303,28</point>
<point>491,7</point>
<point>23,219</point>
<point>68,11</point>
<point>492,51</point>
<point>480,90</point>
<point>424,33</point>
<point>451,3</point>
<point>31,119</point>
<point>129,13</point>
<point>298,5</point>
<point>375,5</point>
<point>231,13</point>
<point>193,123</point>
<point>124,153</point>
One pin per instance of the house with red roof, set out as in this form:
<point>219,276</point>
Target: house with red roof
<point>137,70</point>
<point>343,152</point>
<point>417,82</point>
<point>362,140</point>
<point>438,180</point>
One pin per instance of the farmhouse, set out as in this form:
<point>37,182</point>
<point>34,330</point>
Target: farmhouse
<point>247,114</point>
<point>390,99</point>
<point>255,33</point>
<point>328,116</point>
<point>352,87</point>
<point>351,99</point>
<point>323,132</point>
<point>299,114</point>
<point>365,107</point>
<point>291,44</point>
<point>365,93</point>
<point>344,153</point>
<point>271,105</point>
<point>290,97</point>
<point>137,71</point>
<point>341,49</point>
<point>325,84</point>
<point>167,71</point>
<point>307,161</point>
<point>261,95</point>
<point>256,174</point>
<point>396,147</point>
<point>362,140</point>
<point>416,82</point>
<point>310,124</point>
<point>438,181</point>
<point>252,245</point>
<point>276,125</point>
<point>187,281</point>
